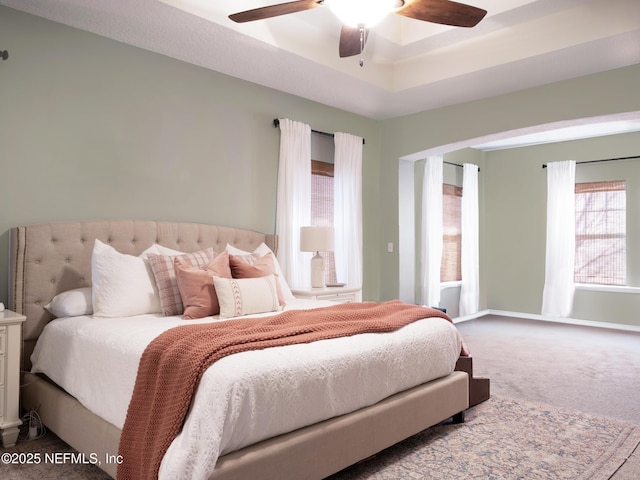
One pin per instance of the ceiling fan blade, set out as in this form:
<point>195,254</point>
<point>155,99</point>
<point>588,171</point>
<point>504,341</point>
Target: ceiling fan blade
<point>274,10</point>
<point>350,41</point>
<point>445,12</point>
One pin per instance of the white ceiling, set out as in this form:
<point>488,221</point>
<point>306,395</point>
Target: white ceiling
<point>409,66</point>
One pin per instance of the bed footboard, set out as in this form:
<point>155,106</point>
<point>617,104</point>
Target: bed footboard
<point>312,452</point>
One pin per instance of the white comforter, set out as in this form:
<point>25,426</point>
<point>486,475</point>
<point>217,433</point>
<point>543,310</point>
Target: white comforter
<point>249,396</point>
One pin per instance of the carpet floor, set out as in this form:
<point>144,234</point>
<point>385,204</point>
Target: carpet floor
<point>593,370</point>
<point>505,439</point>
<point>564,406</point>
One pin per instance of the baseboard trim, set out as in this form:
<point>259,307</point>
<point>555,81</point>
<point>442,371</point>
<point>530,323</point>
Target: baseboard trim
<point>466,318</point>
<point>570,321</point>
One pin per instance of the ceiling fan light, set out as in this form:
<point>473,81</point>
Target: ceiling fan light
<point>358,13</point>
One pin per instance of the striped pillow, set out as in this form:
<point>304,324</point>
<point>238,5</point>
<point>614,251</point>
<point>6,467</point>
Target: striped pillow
<point>164,271</point>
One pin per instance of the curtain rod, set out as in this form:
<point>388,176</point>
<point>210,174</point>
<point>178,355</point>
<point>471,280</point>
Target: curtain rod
<point>544,165</point>
<point>276,124</point>
<point>456,164</point>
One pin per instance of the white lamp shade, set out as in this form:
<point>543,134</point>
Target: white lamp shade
<point>316,239</point>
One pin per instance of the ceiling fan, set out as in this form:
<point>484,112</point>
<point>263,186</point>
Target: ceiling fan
<point>358,16</point>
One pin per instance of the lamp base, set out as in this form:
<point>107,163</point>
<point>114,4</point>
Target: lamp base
<point>317,271</point>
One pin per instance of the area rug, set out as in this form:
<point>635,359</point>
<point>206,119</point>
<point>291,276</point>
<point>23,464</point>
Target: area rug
<point>501,439</point>
<point>506,439</point>
<point>46,458</point>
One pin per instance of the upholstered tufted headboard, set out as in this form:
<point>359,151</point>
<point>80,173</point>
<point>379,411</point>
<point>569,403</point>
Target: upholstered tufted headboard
<point>48,259</point>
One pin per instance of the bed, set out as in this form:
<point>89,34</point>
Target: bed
<point>49,259</point>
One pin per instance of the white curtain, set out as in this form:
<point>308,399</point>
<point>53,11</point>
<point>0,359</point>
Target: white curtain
<point>470,255</point>
<point>431,231</point>
<point>293,208</point>
<point>347,209</point>
<point>557,298</point>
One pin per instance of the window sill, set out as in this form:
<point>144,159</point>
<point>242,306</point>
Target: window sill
<point>607,288</point>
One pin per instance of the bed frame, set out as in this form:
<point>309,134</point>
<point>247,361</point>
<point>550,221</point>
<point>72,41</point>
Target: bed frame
<point>47,259</point>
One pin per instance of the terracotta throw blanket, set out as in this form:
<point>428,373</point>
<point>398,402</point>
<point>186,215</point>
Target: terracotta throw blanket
<point>172,365</point>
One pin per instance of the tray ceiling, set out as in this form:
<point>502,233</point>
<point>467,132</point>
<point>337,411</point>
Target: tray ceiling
<point>409,66</point>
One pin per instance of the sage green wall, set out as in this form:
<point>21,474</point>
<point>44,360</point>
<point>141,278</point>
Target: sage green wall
<point>515,224</point>
<point>599,94</point>
<point>513,196</point>
<point>91,128</point>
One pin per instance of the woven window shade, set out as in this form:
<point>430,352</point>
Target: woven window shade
<point>601,233</point>
<point>450,269</point>
<point>321,168</point>
<point>322,208</point>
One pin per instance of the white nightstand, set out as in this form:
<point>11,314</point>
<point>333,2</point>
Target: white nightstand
<point>334,294</point>
<point>10,338</point>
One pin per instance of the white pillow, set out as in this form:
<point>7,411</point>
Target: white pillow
<point>161,250</point>
<point>71,303</point>
<point>262,250</point>
<point>245,296</point>
<point>123,285</point>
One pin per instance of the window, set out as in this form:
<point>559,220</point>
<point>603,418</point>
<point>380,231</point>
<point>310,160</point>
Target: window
<point>322,207</point>
<point>450,269</point>
<point>601,233</point>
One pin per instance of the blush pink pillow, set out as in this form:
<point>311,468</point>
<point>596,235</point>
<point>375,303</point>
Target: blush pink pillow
<point>163,268</point>
<point>196,286</point>
<point>255,266</point>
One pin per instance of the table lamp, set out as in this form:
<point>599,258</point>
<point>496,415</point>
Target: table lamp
<point>317,239</point>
